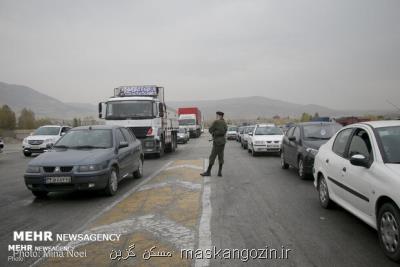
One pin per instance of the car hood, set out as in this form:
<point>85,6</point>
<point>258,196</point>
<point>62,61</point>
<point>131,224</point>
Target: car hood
<point>267,137</point>
<point>71,157</point>
<point>395,168</point>
<point>42,137</point>
<point>315,144</point>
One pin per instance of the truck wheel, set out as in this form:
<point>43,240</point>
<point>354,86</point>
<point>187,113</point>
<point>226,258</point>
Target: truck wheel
<point>40,194</point>
<point>139,172</point>
<point>162,148</point>
<point>112,184</point>
<point>27,154</point>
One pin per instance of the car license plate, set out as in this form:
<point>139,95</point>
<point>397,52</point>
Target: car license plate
<point>35,146</point>
<point>58,180</point>
<point>273,146</point>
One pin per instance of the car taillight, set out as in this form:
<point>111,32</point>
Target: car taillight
<point>149,131</point>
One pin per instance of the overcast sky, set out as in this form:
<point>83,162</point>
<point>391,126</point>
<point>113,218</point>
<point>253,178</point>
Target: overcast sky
<point>338,53</point>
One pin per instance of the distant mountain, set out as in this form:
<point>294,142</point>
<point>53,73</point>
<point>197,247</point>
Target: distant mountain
<point>19,97</point>
<point>258,106</point>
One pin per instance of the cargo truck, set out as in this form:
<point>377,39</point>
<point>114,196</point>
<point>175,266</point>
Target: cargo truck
<point>143,110</point>
<point>190,118</point>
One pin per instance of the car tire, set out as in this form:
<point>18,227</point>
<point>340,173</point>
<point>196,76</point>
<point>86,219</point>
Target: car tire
<point>388,224</point>
<point>253,153</point>
<point>27,154</point>
<point>300,169</point>
<point>323,193</point>
<point>139,172</point>
<point>284,165</point>
<point>112,183</point>
<point>40,194</point>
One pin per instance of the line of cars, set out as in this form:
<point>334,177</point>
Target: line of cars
<point>356,167</point>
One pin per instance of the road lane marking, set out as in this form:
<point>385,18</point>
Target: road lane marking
<point>205,221</point>
<point>184,184</point>
<point>190,166</point>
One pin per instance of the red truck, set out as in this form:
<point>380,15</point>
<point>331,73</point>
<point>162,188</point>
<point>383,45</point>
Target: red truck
<point>190,118</point>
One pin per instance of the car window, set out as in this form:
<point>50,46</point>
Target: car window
<point>84,138</point>
<point>390,139</point>
<point>120,136</point>
<point>128,135</point>
<point>296,133</point>
<point>268,130</point>
<point>339,146</point>
<point>290,132</point>
<point>360,144</point>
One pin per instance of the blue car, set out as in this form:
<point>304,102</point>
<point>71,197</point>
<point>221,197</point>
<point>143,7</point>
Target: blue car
<point>86,158</point>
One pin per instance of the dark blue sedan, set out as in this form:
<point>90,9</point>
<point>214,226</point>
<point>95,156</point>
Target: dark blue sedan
<point>87,158</point>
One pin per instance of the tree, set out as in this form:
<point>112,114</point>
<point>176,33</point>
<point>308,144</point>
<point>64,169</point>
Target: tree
<point>316,115</point>
<point>27,119</point>
<point>7,118</point>
<point>305,117</point>
<point>42,121</point>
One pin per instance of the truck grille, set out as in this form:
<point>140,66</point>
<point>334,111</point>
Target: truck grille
<point>140,132</point>
<point>35,142</point>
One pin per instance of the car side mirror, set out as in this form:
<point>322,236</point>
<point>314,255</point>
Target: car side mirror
<point>101,109</point>
<point>359,160</point>
<point>63,133</point>
<point>123,144</point>
<point>292,138</point>
<point>251,134</point>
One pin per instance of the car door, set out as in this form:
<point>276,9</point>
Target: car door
<point>134,149</point>
<point>336,161</point>
<point>286,143</point>
<point>124,154</point>
<point>292,147</point>
<point>357,179</point>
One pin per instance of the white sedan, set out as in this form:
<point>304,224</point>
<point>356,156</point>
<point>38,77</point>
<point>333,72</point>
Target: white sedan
<point>359,169</point>
<point>265,138</point>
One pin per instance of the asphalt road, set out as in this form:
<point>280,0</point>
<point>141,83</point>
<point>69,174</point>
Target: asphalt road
<point>255,204</point>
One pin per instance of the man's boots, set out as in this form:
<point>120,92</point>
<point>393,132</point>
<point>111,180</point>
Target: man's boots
<point>220,170</point>
<point>208,172</point>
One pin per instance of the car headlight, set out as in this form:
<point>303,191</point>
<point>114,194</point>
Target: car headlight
<point>312,151</point>
<point>33,169</point>
<point>91,167</point>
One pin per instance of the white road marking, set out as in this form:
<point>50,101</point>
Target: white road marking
<point>205,220</point>
<point>159,226</point>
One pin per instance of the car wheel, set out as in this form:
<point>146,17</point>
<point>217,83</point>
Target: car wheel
<point>27,154</point>
<point>284,165</point>
<point>112,184</point>
<point>40,194</point>
<point>139,172</point>
<point>323,193</point>
<point>253,153</point>
<point>388,230</point>
<point>300,169</point>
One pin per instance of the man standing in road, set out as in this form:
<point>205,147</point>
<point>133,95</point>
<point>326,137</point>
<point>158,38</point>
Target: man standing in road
<point>218,131</point>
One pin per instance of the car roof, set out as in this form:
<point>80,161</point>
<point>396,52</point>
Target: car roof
<point>54,126</point>
<point>97,127</point>
<point>379,124</point>
<point>266,125</point>
<point>315,123</point>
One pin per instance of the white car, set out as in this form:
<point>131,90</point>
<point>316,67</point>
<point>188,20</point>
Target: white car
<point>265,138</point>
<point>183,135</point>
<point>231,134</point>
<point>359,169</point>
<point>43,138</point>
<point>245,137</point>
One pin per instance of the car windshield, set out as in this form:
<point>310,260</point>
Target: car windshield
<point>47,131</point>
<point>185,122</point>
<point>132,109</point>
<point>268,130</point>
<point>182,130</point>
<point>249,129</point>
<point>320,131</point>
<point>390,138</point>
<point>232,129</point>
<point>86,139</point>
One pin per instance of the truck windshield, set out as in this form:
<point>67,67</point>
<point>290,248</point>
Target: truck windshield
<point>132,109</point>
<point>184,122</point>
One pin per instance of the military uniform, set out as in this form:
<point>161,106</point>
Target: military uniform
<point>218,131</point>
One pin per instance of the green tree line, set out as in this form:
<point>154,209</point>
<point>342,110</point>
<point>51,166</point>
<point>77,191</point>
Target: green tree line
<point>26,119</point>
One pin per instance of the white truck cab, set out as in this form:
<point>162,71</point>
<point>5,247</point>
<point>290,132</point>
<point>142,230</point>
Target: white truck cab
<point>143,110</point>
